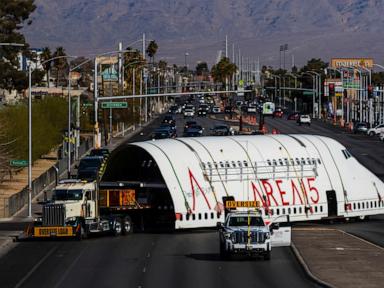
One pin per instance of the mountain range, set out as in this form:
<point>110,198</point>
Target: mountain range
<point>311,28</point>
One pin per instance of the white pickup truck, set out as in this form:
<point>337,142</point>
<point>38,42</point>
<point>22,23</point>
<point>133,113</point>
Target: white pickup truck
<point>246,233</point>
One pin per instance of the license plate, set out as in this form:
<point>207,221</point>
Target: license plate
<point>53,231</point>
<point>249,247</point>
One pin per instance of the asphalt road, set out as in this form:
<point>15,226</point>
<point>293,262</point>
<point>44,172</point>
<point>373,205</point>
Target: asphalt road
<point>180,259</point>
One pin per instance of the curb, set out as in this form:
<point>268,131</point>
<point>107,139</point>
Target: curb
<point>306,268</point>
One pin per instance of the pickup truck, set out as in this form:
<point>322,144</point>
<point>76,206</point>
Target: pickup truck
<point>246,233</point>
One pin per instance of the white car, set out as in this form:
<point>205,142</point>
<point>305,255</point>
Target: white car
<point>381,136</point>
<point>376,130</point>
<point>188,112</point>
<point>304,119</point>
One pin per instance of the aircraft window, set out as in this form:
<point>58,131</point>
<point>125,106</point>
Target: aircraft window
<point>302,161</point>
<point>245,163</point>
<point>371,204</point>
<point>354,206</point>
<point>212,215</point>
<point>309,161</point>
<point>187,217</point>
<point>297,161</point>
<point>199,216</point>
<point>215,164</point>
<point>143,164</point>
<point>277,211</point>
<point>271,212</point>
<point>318,161</point>
<point>321,208</point>
<point>289,210</point>
<point>313,161</point>
<point>375,204</point>
<point>227,164</point>
<point>269,162</point>
<point>233,164</point>
<point>281,162</point>
<point>283,211</point>
<point>286,161</point>
<point>362,205</point>
<point>294,210</point>
<point>205,215</point>
<point>181,217</point>
<point>217,215</point>
<point>315,209</point>
<point>274,162</point>
<point>358,205</point>
<point>300,210</point>
<point>367,205</point>
<point>292,162</point>
<point>203,164</point>
<point>193,217</point>
<point>239,163</point>
<point>221,164</point>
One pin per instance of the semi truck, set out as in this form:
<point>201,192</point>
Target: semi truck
<point>80,208</point>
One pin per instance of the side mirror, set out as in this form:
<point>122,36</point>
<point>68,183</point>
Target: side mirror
<point>274,226</point>
<point>219,225</point>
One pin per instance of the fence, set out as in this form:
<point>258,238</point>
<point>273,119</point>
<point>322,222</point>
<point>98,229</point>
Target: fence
<point>17,201</point>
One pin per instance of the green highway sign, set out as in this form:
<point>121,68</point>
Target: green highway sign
<point>108,105</point>
<point>307,93</point>
<point>87,104</point>
<point>18,163</point>
<point>351,85</point>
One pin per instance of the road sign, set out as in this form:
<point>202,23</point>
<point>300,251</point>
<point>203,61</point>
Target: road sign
<point>307,93</point>
<point>108,105</point>
<point>87,104</point>
<point>18,163</point>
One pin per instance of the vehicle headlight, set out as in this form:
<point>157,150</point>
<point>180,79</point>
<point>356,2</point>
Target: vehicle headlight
<point>267,235</point>
<point>38,219</point>
<point>227,235</point>
<point>71,219</point>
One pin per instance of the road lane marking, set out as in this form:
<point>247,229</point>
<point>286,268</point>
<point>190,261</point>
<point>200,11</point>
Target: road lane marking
<point>62,278</point>
<point>34,268</point>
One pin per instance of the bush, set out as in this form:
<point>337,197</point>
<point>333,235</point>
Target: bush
<point>49,118</point>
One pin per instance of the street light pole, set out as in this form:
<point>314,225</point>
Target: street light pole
<point>29,141</point>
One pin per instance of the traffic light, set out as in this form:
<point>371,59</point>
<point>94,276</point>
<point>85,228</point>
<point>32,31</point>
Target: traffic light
<point>370,91</point>
<point>331,87</point>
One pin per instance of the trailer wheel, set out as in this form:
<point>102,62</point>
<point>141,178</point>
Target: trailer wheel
<point>117,229</point>
<point>127,225</point>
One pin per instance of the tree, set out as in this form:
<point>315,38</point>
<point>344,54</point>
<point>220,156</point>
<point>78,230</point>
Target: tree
<point>13,15</point>
<point>316,65</point>
<point>163,65</point>
<point>60,64</point>
<point>45,56</point>
<point>223,70</point>
<point>201,68</point>
<point>151,50</point>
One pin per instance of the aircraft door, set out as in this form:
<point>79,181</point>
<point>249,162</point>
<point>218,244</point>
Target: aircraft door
<point>332,203</point>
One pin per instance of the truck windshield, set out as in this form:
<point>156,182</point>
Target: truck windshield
<point>64,194</point>
<point>243,221</point>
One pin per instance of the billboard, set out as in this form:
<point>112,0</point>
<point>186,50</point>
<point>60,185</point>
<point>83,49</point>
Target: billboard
<point>351,62</point>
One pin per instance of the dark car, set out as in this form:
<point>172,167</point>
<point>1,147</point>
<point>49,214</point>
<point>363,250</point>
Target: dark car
<point>360,127</point>
<point>193,131</point>
<point>278,113</point>
<point>293,116</point>
<point>169,119</point>
<point>103,152</point>
<point>90,167</point>
<point>189,124</point>
<point>162,133</point>
<point>201,112</point>
<point>220,130</point>
<point>170,127</point>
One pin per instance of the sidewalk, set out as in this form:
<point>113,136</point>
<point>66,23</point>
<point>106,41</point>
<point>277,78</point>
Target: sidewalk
<point>339,259</point>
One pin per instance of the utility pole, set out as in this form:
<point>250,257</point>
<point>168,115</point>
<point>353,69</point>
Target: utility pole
<point>30,141</point>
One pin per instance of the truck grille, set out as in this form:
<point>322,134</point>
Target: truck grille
<point>241,237</point>
<point>53,215</point>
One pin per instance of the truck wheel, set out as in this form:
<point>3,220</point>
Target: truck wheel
<point>267,255</point>
<point>127,225</point>
<point>82,234</point>
<point>117,229</point>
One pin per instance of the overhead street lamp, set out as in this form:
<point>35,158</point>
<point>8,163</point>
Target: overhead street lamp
<point>30,130</point>
<point>13,44</point>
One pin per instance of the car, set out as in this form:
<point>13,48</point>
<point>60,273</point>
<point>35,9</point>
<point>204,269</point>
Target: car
<point>193,131</point>
<point>293,116</point>
<point>251,108</point>
<point>304,119</point>
<point>103,152</point>
<point>381,136</point>
<point>204,107</point>
<point>162,133</point>
<point>221,130</point>
<point>189,124</point>
<point>376,130</point>
<point>169,119</point>
<point>189,112</point>
<point>201,112</point>
<point>216,109</point>
<point>278,113</point>
<point>360,127</point>
<point>169,126</point>
<point>90,168</point>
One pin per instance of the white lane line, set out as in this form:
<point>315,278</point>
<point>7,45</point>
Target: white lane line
<point>25,278</point>
<point>62,278</point>
<point>144,269</point>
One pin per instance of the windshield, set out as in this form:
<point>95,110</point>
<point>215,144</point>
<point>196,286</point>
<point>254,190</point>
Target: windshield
<point>64,194</point>
<point>94,162</point>
<point>243,221</point>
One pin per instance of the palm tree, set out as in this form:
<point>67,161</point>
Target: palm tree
<point>223,70</point>
<point>61,63</point>
<point>46,55</point>
<point>152,49</point>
